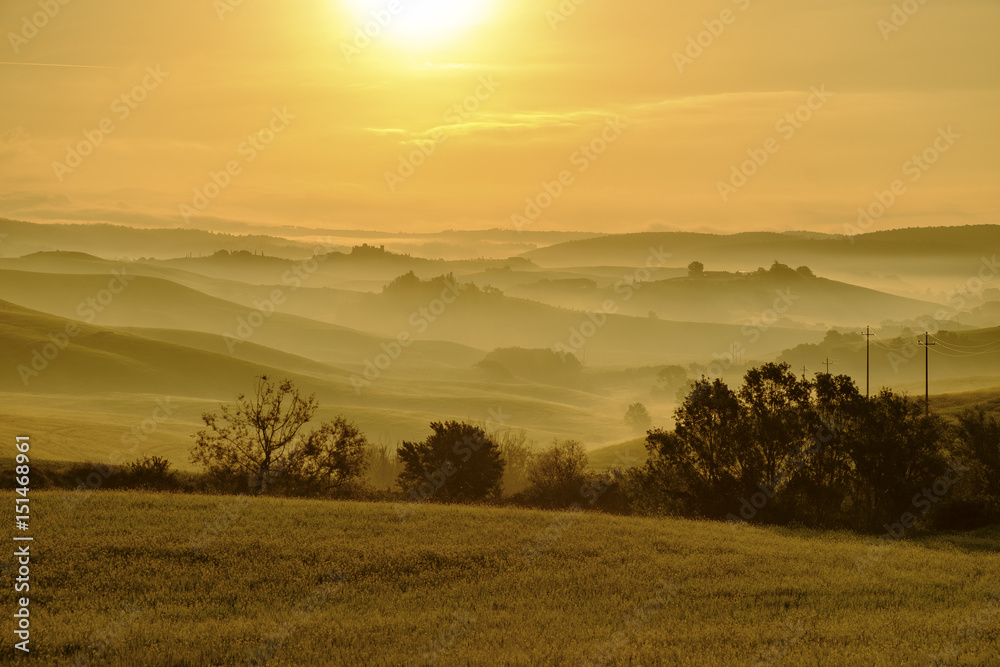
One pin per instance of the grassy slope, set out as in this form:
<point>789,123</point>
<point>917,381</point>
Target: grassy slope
<point>161,304</point>
<point>107,381</point>
<point>739,594</point>
<point>739,299</point>
<point>102,359</point>
<point>954,404</point>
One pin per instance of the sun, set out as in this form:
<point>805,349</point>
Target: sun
<point>424,20</point>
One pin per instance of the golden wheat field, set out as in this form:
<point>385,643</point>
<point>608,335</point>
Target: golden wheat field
<point>124,578</point>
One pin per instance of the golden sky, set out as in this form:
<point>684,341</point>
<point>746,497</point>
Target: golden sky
<point>309,119</point>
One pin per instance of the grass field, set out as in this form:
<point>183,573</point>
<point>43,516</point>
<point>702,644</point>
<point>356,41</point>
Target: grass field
<point>132,578</point>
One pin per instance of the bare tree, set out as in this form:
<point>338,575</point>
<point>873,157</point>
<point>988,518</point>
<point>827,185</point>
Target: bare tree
<point>262,435</point>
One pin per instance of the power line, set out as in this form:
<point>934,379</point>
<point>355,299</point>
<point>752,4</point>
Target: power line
<point>990,344</point>
<point>963,350</point>
<point>888,344</point>
<point>970,349</point>
<point>885,346</point>
<point>965,356</point>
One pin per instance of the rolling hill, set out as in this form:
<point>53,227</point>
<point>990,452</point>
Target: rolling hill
<point>161,304</point>
<point>783,297</point>
<point>46,354</point>
<point>80,388</point>
<point>292,242</point>
<point>22,238</point>
<point>454,335</point>
<point>904,261</point>
<point>490,320</point>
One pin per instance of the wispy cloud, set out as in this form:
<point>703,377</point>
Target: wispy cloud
<point>57,65</point>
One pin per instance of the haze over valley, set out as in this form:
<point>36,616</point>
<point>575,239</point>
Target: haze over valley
<point>557,340</point>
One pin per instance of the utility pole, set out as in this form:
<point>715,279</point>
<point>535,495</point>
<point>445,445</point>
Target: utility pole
<point>867,333</point>
<point>927,373</point>
<point>804,369</point>
<point>827,363</point>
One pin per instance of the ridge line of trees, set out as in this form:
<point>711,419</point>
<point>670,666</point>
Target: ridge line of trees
<point>780,449</point>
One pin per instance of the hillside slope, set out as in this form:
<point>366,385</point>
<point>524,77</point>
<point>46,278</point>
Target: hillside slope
<point>903,260</point>
<point>732,299</point>
<point>160,304</point>
<point>23,238</point>
<point>45,354</point>
<point>80,388</point>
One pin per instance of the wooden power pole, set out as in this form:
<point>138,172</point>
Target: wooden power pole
<point>867,333</point>
<point>927,373</point>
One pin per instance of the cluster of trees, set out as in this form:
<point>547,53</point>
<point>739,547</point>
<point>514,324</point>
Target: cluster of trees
<point>780,449</point>
<point>410,286</point>
<point>777,270</point>
<point>786,449</point>
<point>261,444</point>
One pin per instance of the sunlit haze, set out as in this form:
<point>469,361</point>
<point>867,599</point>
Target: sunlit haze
<point>698,91</point>
<point>500,332</point>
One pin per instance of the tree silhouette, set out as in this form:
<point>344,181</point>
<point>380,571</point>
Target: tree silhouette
<point>775,404</point>
<point>979,443</point>
<point>637,417</point>
<point>701,452</point>
<point>558,474</point>
<point>262,436</point>
<point>458,462</point>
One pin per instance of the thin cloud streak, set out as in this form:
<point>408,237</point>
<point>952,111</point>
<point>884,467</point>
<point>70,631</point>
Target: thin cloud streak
<point>57,65</point>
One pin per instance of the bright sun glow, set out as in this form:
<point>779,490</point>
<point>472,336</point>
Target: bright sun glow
<point>424,19</point>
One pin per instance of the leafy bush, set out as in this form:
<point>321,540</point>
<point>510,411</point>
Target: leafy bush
<point>895,451</point>
<point>457,463</point>
<point>557,475</point>
<point>149,472</point>
<point>333,457</point>
<point>979,444</point>
<point>962,514</point>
